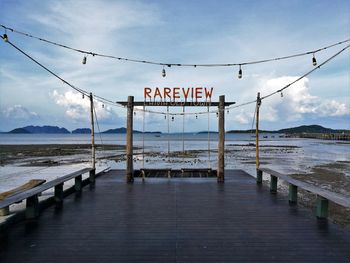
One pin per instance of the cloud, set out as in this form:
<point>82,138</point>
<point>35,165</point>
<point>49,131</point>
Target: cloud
<point>18,112</point>
<point>297,102</point>
<point>78,108</point>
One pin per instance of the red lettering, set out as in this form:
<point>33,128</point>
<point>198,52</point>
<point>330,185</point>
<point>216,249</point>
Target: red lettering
<point>198,93</point>
<point>207,93</point>
<point>157,93</point>
<point>147,92</point>
<point>176,94</point>
<point>167,92</point>
<point>186,93</point>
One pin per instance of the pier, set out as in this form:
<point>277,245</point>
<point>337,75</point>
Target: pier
<point>175,220</point>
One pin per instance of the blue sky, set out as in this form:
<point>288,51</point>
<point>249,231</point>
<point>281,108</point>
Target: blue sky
<point>175,32</point>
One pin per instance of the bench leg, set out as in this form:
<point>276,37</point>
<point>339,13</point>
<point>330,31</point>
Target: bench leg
<point>59,194</point>
<point>32,207</point>
<point>259,176</point>
<point>78,183</point>
<point>293,194</point>
<point>273,184</point>
<point>5,211</point>
<point>92,176</point>
<point>321,207</point>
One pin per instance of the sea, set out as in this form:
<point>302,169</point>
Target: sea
<point>287,155</point>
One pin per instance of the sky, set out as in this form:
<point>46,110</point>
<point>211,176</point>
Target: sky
<point>191,32</point>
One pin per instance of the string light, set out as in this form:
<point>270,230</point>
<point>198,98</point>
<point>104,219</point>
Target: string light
<point>163,73</point>
<point>240,72</point>
<point>83,96</point>
<point>165,117</point>
<point>281,94</point>
<point>134,113</point>
<point>196,116</point>
<point>217,115</point>
<point>175,64</point>
<point>103,105</point>
<point>314,62</point>
<point>157,112</point>
<point>5,37</point>
<point>228,111</point>
<point>84,60</point>
<point>172,118</point>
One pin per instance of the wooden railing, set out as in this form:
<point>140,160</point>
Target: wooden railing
<point>32,195</point>
<point>323,196</point>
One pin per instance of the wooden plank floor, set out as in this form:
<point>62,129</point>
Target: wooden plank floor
<point>176,220</point>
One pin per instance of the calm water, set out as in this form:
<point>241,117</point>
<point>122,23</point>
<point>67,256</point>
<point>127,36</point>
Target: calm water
<point>310,152</point>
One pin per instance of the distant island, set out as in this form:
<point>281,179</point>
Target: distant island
<point>57,130</point>
<point>299,129</point>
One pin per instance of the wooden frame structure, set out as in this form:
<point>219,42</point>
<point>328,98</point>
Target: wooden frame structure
<point>130,104</point>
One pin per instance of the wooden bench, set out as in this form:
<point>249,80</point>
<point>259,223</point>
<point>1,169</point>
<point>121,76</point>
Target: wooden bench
<point>29,185</point>
<point>199,171</point>
<point>31,195</point>
<point>155,172</point>
<point>323,196</point>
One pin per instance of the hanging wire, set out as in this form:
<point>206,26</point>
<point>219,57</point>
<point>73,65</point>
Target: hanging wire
<point>101,99</point>
<point>209,164</point>
<point>183,134</point>
<point>99,131</point>
<point>173,64</point>
<point>143,137</point>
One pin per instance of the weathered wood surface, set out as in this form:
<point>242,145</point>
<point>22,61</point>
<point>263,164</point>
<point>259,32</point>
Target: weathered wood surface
<point>176,220</point>
<point>39,189</point>
<point>331,196</point>
<point>29,185</point>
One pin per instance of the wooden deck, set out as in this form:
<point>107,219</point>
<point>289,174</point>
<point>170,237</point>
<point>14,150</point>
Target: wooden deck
<point>176,220</point>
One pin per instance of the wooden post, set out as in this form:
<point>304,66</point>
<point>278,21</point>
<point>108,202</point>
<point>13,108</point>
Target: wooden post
<point>293,194</point>
<point>259,176</point>
<point>321,207</point>
<point>78,183</point>
<point>129,141</point>
<point>258,173</point>
<point>32,207</point>
<point>273,184</point>
<point>92,175</point>
<point>59,194</point>
<point>221,142</point>
<point>93,159</point>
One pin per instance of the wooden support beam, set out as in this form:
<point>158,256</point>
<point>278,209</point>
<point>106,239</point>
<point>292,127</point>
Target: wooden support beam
<point>273,184</point>
<point>293,194</point>
<point>258,103</point>
<point>221,142</point>
<point>92,176</point>
<point>59,194</point>
<point>93,155</point>
<point>78,185</point>
<point>321,207</point>
<point>129,141</point>
<point>32,207</point>
<point>259,176</point>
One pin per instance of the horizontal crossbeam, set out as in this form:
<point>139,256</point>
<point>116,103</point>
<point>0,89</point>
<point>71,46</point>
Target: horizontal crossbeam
<point>176,103</point>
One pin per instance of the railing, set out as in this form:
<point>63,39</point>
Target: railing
<point>32,195</point>
<point>323,196</point>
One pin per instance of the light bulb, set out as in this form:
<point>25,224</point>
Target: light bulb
<point>163,73</point>
<point>240,72</point>
<point>84,60</point>
<point>172,118</point>
<point>281,94</point>
<point>196,116</point>
<point>83,96</point>
<point>103,105</point>
<point>5,38</point>
<point>314,62</point>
